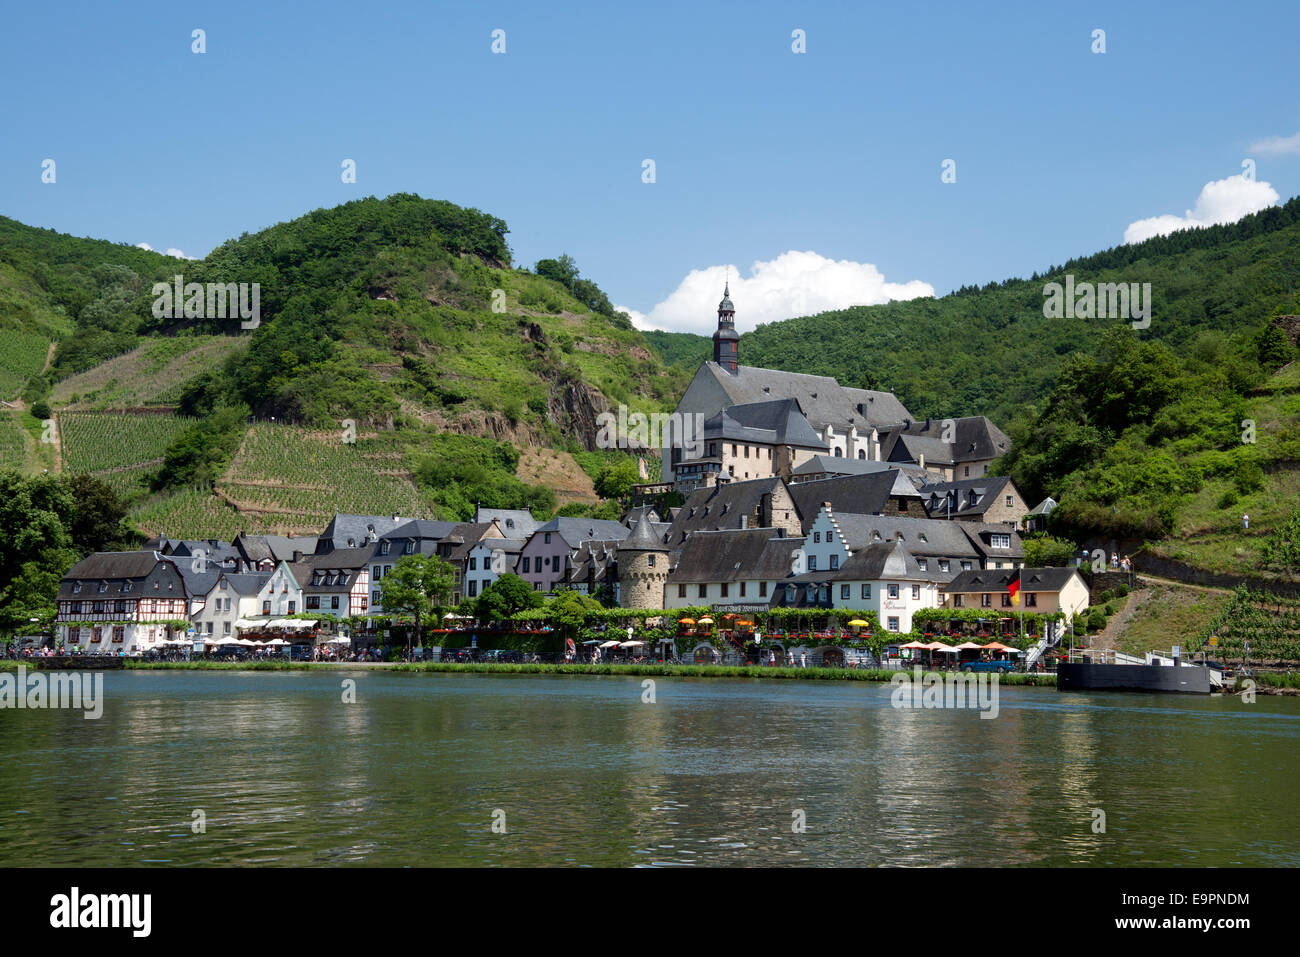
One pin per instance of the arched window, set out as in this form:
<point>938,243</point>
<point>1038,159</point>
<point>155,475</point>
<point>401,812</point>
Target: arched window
<point>838,453</point>
<point>862,453</point>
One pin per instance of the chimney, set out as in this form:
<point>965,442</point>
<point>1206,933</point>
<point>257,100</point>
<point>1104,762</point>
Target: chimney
<point>297,556</point>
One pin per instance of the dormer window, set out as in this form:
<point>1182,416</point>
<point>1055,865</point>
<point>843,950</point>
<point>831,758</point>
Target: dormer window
<point>76,588</point>
<point>410,547</point>
<point>103,587</point>
<point>383,547</point>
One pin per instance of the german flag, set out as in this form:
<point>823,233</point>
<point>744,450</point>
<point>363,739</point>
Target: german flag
<point>1014,589</point>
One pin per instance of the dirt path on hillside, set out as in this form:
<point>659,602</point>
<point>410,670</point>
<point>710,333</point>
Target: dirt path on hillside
<point>1155,580</point>
<point>1105,640</point>
<point>49,357</point>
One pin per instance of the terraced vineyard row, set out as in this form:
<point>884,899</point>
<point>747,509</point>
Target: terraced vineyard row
<point>293,478</point>
<point>22,355</point>
<point>12,449</point>
<point>119,448</point>
<point>1269,624</point>
<point>193,513</point>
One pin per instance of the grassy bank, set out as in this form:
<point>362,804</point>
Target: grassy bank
<point>668,671</point>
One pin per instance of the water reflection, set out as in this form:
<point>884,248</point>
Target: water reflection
<point>587,773</point>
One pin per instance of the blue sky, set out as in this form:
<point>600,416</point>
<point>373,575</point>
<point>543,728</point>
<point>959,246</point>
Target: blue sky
<point>759,152</point>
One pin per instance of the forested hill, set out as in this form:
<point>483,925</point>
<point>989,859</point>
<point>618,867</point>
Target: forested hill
<point>991,351</point>
<point>403,316</point>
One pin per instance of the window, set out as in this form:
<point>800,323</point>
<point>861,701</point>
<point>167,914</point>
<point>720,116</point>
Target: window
<point>943,564</point>
<point>893,624</point>
<point>762,589</point>
<point>383,548</point>
<point>652,560</point>
<point>225,627</point>
<point>835,562</point>
<point>266,607</point>
<point>119,632</point>
<point>76,590</point>
<point>103,587</point>
<point>473,564</point>
<point>893,591</point>
<point>704,591</point>
<point>119,606</point>
<point>817,537</point>
<point>473,589</point>
<point>812,563</point>
<point>1008,501</point>
<point>547,538</point>
<point>409,547</point>
<point>1000,540</point>
<point>866,592</point>
<point>722,590</point>
<point>1006,600</point>
<point>965,566</point>
<point>74,634</point>
<point>334,602</point>
<point>830,536</point>
<point>375,596</point>
<point>986,600</point>
<point>747,451</point>
<point>363,603</point>
<point>916,593</point>
<point>742,589</point>
<point>96,635</point>
<point>681,591</point>
<point>313,602</point>
<point>1031,599</point>
<point>958,601</point>
<point>967,472</point>
<point>923,564</point>
<point>99,607</point>
<point>388,569</point>
<point>844,592</point>
<point>293,607</point>
<point>527,564</point>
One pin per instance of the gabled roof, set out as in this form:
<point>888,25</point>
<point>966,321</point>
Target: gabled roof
<point>822,400</point>
<point>748,554</point>
<point>351,561</point>
<point>839,465</point>
<point>922,536</point>
<point>514,522</point>
<point>860,494</point>
<point>423,528</point>
<point>574,531</point>
<point>997,579</point>
<point>971,438</point>
<point>351,531</point>
<point>981,534</point>
<point>775,422</point>
<point>882,561</point>
<point>984,490</point>
<point>719,506</point>
<point>242,583</point>
<point>132,574</point>
<point>276,548</point>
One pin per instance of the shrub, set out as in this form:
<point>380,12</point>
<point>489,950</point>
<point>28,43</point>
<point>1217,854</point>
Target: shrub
<point>1096,619</point>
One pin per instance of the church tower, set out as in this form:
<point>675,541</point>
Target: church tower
<point>726,342</point>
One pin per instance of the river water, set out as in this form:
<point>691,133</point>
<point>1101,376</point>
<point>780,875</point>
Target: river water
<point>582,771</point>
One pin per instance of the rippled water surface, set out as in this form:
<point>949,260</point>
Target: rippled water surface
<point>586,773</point>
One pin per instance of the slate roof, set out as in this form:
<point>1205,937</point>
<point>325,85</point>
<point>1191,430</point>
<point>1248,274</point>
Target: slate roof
<point>985,491</point>
<point>719,507</point>
<point>349,560</point>
<point>514,522</point>
<point>822,400</point>
<point>839,465</point>
<point>574,531</point>
<point>148,574</point>
<point>882,561</point>
<point>646,536</point>
<point>748,554</point>
<point>243,583</point>
<point>276,548</point>
<point>980,534</point>
<point>974,438</point>
<point>923,536</point>
<point>776,422</point>
<point>997,579</point>
<point>351,531</point>
<point>859,494</point>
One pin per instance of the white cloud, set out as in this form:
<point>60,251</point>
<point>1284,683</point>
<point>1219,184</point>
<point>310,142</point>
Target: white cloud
<point>1277,145</point>
<point>171,251</point>
<point>1222,201</point>
<point>793,284</point>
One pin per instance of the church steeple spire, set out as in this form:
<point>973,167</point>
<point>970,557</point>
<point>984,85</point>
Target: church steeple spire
<point>726,341</point>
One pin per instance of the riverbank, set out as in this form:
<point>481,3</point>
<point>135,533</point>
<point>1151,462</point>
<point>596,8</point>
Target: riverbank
<point>647,670</point>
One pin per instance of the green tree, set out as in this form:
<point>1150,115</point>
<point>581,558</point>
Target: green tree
<point>419,586</point>
<point>1044,551</point>
<point>616,479</point>
<point>505,596</point>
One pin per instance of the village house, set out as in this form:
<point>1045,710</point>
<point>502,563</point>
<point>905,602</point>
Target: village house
<point>488,560</point>
<point>261,553</point>
<point>757,503</point>
<point>336,583</point>
<point>885,578</point>
<point>414,537</point>
<point>951,448</point>
<point>887,492</point>
<point>232,598</point>
<point>987,500</point>
<point>125,602</point>
<point>1042,590</point>
<point>732,570</point>
<point>546,557</point>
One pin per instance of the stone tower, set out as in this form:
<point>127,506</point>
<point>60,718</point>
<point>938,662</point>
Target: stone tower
<point>642,567</point>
